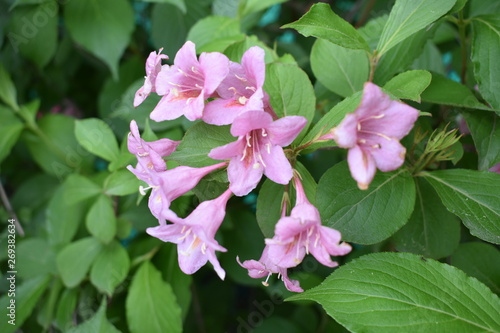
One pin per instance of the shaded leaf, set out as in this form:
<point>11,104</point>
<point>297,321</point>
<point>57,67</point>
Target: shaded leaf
<point>97,324</point>
<point>110,268</point>
<point>97,137</point>
<point>485,130</point>
<point>101,220</point>
<point>409,85</point>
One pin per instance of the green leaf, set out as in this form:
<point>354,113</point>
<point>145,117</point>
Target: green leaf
<point>11,128</point>
<point>448,92</point>
<point>110,268</point>
<point>199,140</point>
<point>80,188</point>
<point>430,59</point>
<point>481,261</point>
<point>97,324</point>
<point>485,130</point>
<point>26,296</point>
<point>482,7</point>
<point>332,119</point>
<point>33,31</point>
<point>101,220</point>
<point>431,231</point>
<point>152,298</point>
<point>401,292</point>
<point>180,4</point>
<point>36,257</point>
<point>459,5</point>
<point>485,49</point>
<point>63,216</point>
<point>269,205</point>
<point>215,33</point>
<point>308,182</point>
<point>343,71</point>
<point>65,309</point>
<point>369,216</point>
<point>409,16</point>
<point>254,6</point>
<point>472,196</point>
<point>236,50</point>
<point>409,85</point>
<point>8,93</point>
<point>102,27</point>
<point>321,22</point>
<point>97,137</point>
<point>26,2</point>
<point>290,91</point>
<point>121,182</point>
<point>74,260</point>
<point>54,146</point>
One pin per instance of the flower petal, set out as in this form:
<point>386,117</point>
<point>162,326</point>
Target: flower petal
<point>390,155</point>
<point>346,133</point>
<point>167,109</point>
<point>284,130</point>
<point>243,178</point>
<point>215,67</point>
<point>250,120</point>
<point>229,150</point>
<point>278,168</point>
<point>362,167</point>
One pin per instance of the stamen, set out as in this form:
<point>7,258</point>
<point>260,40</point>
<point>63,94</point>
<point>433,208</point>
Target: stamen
<point>240,78</point>
<point>264,133</point>
<point>187,233</point>
<point>378,116</point>
<point>194,70</point>
<point>249,137</point>
<point>268,147</point>
<point>359,126</point>
<point>203,248</point>
<point>143,154</point>
<point>142,189</point>
<point>265,283</point>
<point>198,86</point>
<point>256,165</point>
<point>316,240</point>
<point>379,134</point>
<point>242,100</point>
<point>251,88</point>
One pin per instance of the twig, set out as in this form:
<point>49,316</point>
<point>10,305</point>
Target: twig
<point>8,206</point>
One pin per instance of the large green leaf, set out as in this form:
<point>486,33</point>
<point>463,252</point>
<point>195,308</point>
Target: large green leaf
<point>34,31</point>
<point>472,196</point>
<point>432,230</point>
<point>253,6</point>
<point>110,268</point>
<point>74,260</point>
<point>321,22</point>
<point>36,257</point>
<point>101,220</point>
<point>65,309</point>
<point>199,140</point>
<point>402,292</point>
<point>409,85</point>
<point>121,182</point>
<point>369,216</point>
<point>97,324</point>
<point>483,7</point>
<point>215,33</point>
<point>290,91</point>
<point>409,16</point>
<point>485,130</point>
<point>80,188</point>
<point>151,304</point>
<point>25,298</point>
<point>448,92</point>
<point>485,51</point>
<point>101,27</point>
<point>97,137</point>
<point>8,93</point>
<point>11,128</point>
<point>269,205</point>
<point>430,59</point>
<point>343,71</point>
<point>481,261</point>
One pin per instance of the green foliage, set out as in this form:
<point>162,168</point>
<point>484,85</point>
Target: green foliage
<point>389,292</point>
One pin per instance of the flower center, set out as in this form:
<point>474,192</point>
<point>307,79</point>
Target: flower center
<point>189,87</point>
<point>258,143</point>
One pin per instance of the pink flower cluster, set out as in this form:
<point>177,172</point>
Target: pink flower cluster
<point>221,92</point>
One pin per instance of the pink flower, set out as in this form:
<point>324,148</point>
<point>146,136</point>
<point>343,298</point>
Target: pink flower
<point>302,233</point>
<point>372,134</point>
<point>188,83</point>
<point>258,150</point>
<point>240,91</point>
<point>265,267</point>
<point>153,67</point>
<point>149,154</point>
<point>195,234</point>
<point>495,168</point>
<point>169,185</point>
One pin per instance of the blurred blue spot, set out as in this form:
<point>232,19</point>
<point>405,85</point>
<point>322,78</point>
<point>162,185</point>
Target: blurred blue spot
<point>251,200</point>
<point>447,58</point>
<point>344,5</point>
<point>133,234</point>
<point>454,76</point>
<point>287,37</point>
<point>270,16</point>
<point>100,164</point>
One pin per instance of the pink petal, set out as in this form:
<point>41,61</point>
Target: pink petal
<point>193,108</point>
<point>186,56</point>
<point>249,121</point>
<point>390,156</point>
<point>242,178</point>
<point>284,130</point>
<point>215,67</point>
<point>254,65</point>
<point>221,111</point>
<point>229,150</point>
<point>397,120</point>
<point>346,133</point>
<point>168,110</point>
<point>278,168</point>
<point>373,102</point>
<point>362,167</point>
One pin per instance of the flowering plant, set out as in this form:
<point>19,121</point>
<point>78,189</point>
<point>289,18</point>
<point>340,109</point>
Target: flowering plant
<point>188,166</point>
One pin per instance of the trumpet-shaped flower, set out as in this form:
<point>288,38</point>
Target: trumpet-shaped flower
<point>372,134</point>
<point>153,67</point>
<point>302,233</point>
<point>240,91</point>
<point>168,185</point>
<point>265,267</point>
<point>195,234</point>
<point>149,154</point>
<point>188,83</point>
<point>258,149</point>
